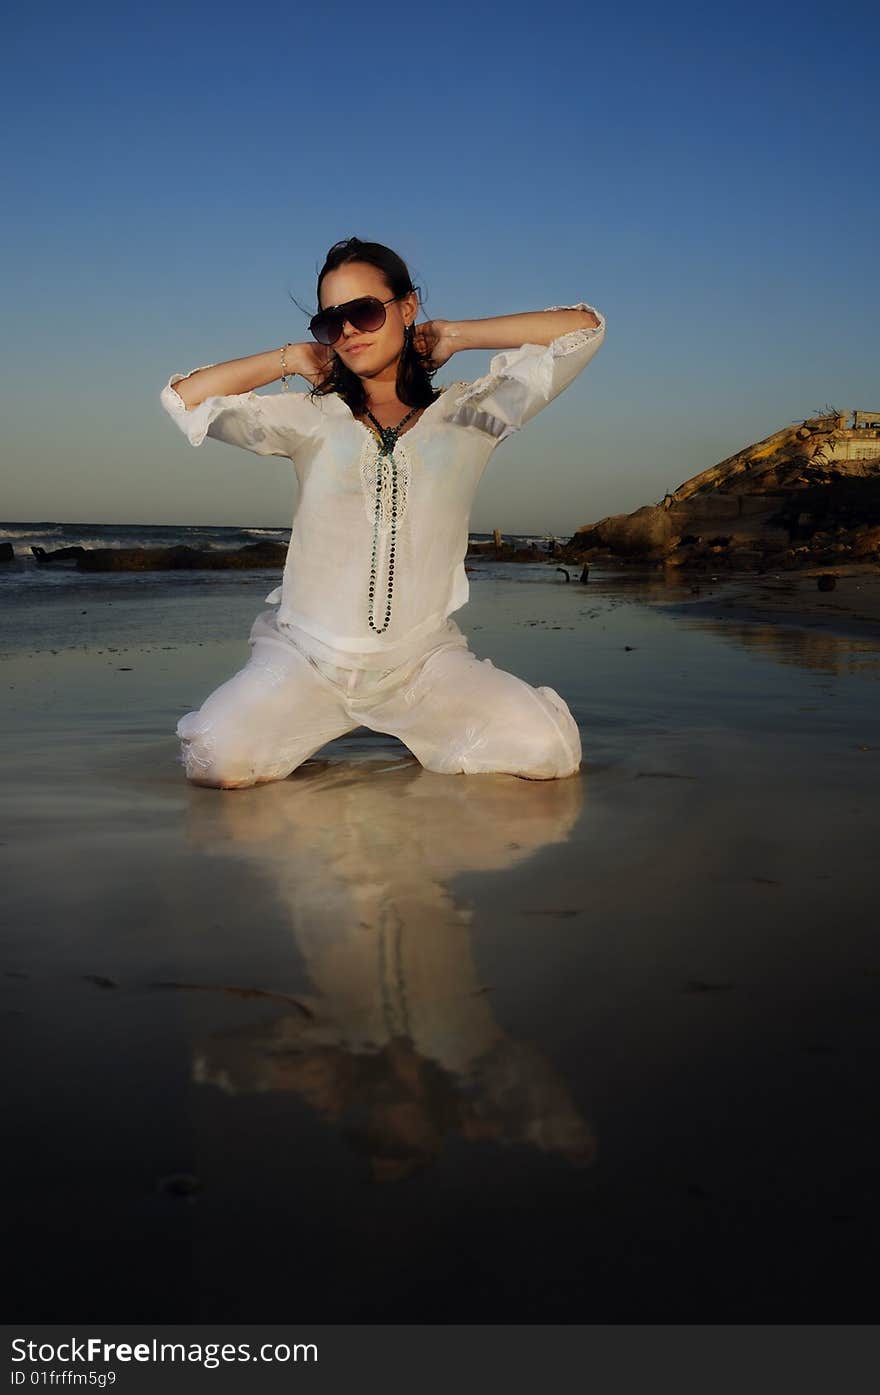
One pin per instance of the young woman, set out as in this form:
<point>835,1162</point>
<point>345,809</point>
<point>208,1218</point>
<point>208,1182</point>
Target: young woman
<point>387,468</point>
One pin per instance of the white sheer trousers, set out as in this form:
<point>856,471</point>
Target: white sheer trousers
<point>456,713</point>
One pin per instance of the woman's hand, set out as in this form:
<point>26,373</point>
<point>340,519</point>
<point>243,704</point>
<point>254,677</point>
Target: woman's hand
<point>432,339</point>
<point>310,361</point>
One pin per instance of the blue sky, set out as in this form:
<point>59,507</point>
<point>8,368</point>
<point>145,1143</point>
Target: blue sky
<point>706,177</point>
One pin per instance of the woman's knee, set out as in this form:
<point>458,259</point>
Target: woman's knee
<point>241,735</point>
<point>477,718</point>
<point>536,745</point>
<point>548,754</point>
<point>558,740</point>
<point>546,742</point>
<point>207,756</point>
<point>217,758</point>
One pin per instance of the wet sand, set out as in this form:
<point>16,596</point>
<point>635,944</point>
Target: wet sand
<point>793,598</point>
<point>372,1044</point>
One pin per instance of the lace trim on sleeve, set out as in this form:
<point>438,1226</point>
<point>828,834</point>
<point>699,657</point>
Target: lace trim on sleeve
<point>257,401</point>
<point>575,338</point>
<point>170,393</point>
<point>482,388</point>
<point>262,423</point>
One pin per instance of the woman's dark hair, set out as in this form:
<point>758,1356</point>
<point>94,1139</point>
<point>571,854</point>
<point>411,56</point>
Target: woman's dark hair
<point>414,369</point>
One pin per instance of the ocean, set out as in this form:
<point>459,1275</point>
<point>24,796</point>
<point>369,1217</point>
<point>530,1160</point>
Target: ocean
<point>54,606</point>
<point>26,574</point>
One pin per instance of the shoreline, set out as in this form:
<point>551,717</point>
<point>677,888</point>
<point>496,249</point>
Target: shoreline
<point>99,621</point>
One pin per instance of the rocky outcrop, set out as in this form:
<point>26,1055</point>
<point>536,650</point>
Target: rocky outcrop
<point>150,559</point>
<point>807,495</point>
<point>60,554</point>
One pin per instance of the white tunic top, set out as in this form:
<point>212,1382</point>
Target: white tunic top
<point>323,600</point>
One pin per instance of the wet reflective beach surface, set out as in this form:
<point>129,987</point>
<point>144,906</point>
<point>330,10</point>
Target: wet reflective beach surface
<point>373,1044</point>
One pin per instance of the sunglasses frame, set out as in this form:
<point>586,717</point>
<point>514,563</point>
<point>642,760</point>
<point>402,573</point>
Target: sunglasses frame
<point>346,305</point>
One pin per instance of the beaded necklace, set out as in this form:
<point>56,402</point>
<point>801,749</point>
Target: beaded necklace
<point>387,441</point>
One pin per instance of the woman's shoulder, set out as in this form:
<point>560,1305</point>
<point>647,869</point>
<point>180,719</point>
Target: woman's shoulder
<point>461,406</point>
<point>448,397</point>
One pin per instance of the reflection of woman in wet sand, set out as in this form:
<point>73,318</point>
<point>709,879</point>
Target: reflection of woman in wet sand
<point>387,469</point>
<point>396,1107</point>
<point>398,1044</point>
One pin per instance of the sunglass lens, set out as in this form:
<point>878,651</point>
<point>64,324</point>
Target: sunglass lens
<point>326,327</point>
<point>367,314</point>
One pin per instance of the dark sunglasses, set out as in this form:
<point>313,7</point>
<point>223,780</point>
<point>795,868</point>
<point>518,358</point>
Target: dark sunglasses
<point>367,314</point>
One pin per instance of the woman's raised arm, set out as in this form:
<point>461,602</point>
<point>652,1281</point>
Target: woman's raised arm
<point>512,331</point>
<point>240,375</point>
<point>541,353</point>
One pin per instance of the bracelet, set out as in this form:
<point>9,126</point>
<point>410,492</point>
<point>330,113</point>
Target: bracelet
<point>284,381</point>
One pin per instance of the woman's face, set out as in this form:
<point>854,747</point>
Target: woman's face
<point>381,347</point>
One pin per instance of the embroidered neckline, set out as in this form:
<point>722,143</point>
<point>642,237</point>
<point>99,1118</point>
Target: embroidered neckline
<point>368,431</point>
<point>373,487</point>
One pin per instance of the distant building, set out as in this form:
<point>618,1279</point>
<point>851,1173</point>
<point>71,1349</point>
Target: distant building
<point>860,440</point>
